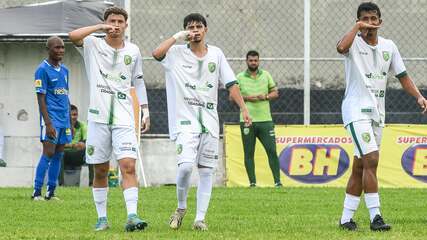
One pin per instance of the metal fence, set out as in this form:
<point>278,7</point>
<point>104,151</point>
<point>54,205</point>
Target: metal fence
<point>276,29</point>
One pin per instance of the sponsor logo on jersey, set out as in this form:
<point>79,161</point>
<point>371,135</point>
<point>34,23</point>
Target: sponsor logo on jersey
<point>186,122</point>
<point>127,59</point>
<point>386,55</point>
<point>314,163</point>
<point>94,111</point>
<point>68,131</point>
<point>60,91</point>
<point>102,53</point>
<point>90,150</point>
<point>376,76</point>
<point>54,79</point>
<point>363,53</point>
<point>204,88</point>
<point>187,66</point>
<point>110,77</point>
<point>105,89</point>
<point>211,67</point>
<point>38,83</point>
<point>414,162</point>
<point>179,149</point>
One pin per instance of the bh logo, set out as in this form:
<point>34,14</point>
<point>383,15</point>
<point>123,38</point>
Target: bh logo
<point>314,163</point>
<point>414,162</point>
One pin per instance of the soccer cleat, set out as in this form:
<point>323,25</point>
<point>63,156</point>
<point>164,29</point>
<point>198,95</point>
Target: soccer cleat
<point>37,196</point>
<point>135,223</point>
<point>252,185</point>
<point>350,225</point>
<point>101,224</point>
<point>2,163</point>
<point>200,225</point>
<point>50,195</point>
<point>176,218</point>
<point>378,224</point>
<point>278,185</point>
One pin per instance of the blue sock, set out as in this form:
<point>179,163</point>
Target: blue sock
<point>41,173</point>
<point>53,173</point>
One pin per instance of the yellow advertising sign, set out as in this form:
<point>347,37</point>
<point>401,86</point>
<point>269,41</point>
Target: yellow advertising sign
<point>322,155</point>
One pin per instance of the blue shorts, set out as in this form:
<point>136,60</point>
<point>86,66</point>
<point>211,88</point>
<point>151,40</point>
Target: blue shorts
<point>63,136</point>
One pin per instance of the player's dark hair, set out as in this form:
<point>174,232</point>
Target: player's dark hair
<point>73,107</point>
<point>368,7</point>
<point>194,17</point>
<point>252,53</point>
<point>115,10</point>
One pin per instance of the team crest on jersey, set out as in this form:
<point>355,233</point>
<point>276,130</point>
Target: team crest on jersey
<point>211,67</point>
<point>90,150</point>
<point>366,137</point>
<point>128,59</point>
<point>38,83</point>
<point>179,149</point>
<point>386,55</point>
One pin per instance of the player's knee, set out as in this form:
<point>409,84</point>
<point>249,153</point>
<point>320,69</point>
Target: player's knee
<point>185,168</point>
<point>206,171</point>
<point>370,161</point>
<point>101,173</point>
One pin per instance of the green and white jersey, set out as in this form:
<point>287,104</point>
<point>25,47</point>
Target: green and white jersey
<point>366,71</point>
<point>192,89</point>
<point>261,85</point>
<point>111,73</point>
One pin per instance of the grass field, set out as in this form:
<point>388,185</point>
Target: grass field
<point>235,213</point>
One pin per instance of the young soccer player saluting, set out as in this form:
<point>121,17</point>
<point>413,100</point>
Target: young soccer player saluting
<point>193,72</point>
<point>112,65</point>
<point>368,59</point>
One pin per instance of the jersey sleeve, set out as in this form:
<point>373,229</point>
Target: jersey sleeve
<point>88,43</point>
<point>168,59</point>
<point>138,81</point>
<point>397,65</point>
<point>271,84</point>
<point>41,81</point>
<point>226,74</point>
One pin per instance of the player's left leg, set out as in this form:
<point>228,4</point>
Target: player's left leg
<point>53,172</point>
<point>207,160</point>
<point>267,138</point>
<point>124,146</point>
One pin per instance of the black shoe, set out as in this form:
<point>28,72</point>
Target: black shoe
<point>50,195</point>
<point>350,225</point>
<point>252,185</point>
<point>278,185</point>
<point>378,224</point>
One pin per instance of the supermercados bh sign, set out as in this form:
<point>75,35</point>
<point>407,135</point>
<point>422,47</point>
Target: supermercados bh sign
<point>323,155</point>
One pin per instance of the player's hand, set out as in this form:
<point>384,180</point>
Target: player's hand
<point>365,26</point>
<point>251,98</point>
<point>246,118</point>
<point>182,36</point>
<point>108,28</point>
<point>422,102</point>
<point>79,146</point>
<point>261,97</point>
<point>50,131</point>
<point>145,124</point>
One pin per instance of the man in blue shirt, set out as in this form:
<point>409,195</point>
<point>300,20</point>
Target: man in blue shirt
<point>51,83</point>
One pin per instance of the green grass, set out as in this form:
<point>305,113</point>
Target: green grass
<point>234,213</point>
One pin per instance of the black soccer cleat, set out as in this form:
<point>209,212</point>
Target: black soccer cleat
<point>349,226</point>
<point>378,224</point>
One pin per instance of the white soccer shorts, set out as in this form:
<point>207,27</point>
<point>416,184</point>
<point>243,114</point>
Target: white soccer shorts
<point>102,139</point>
<point>199,148</point>
<point>366,136</point>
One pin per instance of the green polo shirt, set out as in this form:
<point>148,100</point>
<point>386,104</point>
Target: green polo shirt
<point>262,84</point>
<point>80,133</point>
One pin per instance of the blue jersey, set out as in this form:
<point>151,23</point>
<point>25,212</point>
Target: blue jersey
<point>53,82</point>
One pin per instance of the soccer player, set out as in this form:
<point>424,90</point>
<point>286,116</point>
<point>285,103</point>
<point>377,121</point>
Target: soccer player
<point>193,72</point>
<point>51,82</point>
<point>368,59</point>
<point>258,88</point>
<point>112,65</point>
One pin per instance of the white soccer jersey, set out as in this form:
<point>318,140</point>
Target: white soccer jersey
<point>192,89</point>
<point>110,73</point>
<point>366,70</point>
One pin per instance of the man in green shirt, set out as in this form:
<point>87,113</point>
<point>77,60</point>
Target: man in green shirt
<point>258,88</point>
<point>74,153</point>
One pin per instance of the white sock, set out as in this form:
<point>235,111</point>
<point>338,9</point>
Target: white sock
<point>100,199</point>
<point>204,191</point>
<point>183,183</point>
<point>351,203</point>
<point>131,199</point>
<point>372,201</point>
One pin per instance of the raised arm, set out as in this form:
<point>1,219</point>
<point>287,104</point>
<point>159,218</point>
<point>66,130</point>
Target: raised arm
<point>78,35</point>
<point>160,52</point>
<point>345,43</point>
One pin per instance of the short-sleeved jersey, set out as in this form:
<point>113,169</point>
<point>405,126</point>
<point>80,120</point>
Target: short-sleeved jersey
<point>111,73</point>
<point>366,71</point>
<point>192,88</point>
<point>53,83</point>
<point>262,84</point>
